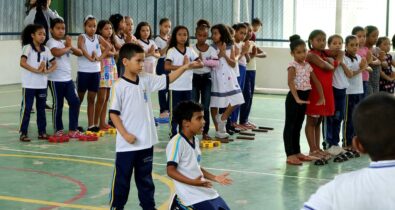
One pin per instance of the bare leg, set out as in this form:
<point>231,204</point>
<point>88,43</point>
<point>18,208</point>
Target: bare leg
<point>81,96</point>
<point>91,107</point>
<point>317,132</point>
<point>101,95</point>
<point>310,133</point>
<point>228,112</point>
<point>214,112</point>
<point>104,109</point>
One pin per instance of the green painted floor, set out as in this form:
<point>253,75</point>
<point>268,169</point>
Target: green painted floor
<point>77,175</point>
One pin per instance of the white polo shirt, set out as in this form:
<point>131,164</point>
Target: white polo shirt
<point>63,70</point>
<point>132,102</point>
<point>176,57</point>
<point>35,80</point>
<point>161,43</point>
<point>210,53</point>
<point>355,82</point>
<point>146,46</point>
<point>186,156</point>
<point>366,189</point>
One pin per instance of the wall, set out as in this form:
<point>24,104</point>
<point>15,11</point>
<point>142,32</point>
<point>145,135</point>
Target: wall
<point>271,71</point>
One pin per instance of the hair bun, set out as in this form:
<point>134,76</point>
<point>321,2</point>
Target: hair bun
<point>294,38</point>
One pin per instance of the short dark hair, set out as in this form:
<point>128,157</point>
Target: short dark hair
<point>56,21</point>
<point>357,29</point>
<point>373,121</point>
<point>349,38</point>
<point>115,19</point>
<point>380,40</point>
<point>239,26</point>
<point>185,110</point>
<point>163,20</point>
<point>256,21</point>
<point>129,50</point>
<point>295,41</point>
<point>332,37</point>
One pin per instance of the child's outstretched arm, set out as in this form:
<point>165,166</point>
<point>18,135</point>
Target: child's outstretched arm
<point>318,85</point>
<point>291,85</point>
<point>173,173</point>
<point>260,53</point>
<point>315,59</point>
<point>121,129</point>
<point>221,179</point>
<point>181,69</point>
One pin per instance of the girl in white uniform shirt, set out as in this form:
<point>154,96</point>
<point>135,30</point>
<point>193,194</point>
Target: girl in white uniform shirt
<point>162,41</point>
<point>88,78</point>
<point>34,63</point>
<point>178,54</point>
<point>144,39</point>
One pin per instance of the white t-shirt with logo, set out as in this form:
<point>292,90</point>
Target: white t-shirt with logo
<point>35,80</point>
<point>132,102</point>
<point>63,70</point>
<point>176,57</point>
<point>186,156</point>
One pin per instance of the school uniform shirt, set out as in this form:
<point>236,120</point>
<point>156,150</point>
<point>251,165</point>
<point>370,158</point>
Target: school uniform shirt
<point>242,60</point>
<point>63,70</point>
<point>186,156</point>
<point>91,45</point>
<point>209,54</point>
<point>132,102</point>
<point>302,77</point>
<point>356,84</point>
<point>35,80</point>
<point>251,66</point>
<point>365,189</point>
<point>161,43</point>
<point>340,80</point>
<point>149,61</point>
<point>176,57</point>
<point>119,39</point>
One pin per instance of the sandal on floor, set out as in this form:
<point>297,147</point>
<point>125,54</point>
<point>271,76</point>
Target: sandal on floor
<point>43,136</point>
<point>24,138</point>
<point>303,157</point>
<point>316,154</point>
<point>320,162</point>
<point>338,159</point>
<point>206,137</point>
<point>293,160</point>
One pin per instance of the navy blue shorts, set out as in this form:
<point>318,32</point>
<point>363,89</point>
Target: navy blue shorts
<point>214,204</point>
<point>88,81</point>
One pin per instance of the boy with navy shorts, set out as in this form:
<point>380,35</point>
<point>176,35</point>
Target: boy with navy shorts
<point>371,187</point>
<point>131,112</point>
<point>193,183</point>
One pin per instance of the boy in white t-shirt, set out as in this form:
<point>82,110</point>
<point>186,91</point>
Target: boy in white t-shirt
<point>368,188</point>
<point>131,112</point>
<point>193,183</point>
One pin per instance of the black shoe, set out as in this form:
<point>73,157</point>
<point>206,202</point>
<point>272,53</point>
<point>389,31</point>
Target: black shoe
<point>47,106</point>
<point>80,129</point>
<point>93,129</point>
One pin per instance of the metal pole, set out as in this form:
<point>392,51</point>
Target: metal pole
<point>339,12</point>
<point>252,9</point>
<point>387,18</point>
<point>66,14</point>
<point>155,16</point>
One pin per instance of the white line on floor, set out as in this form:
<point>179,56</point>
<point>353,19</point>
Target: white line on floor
<point>161,164</point>
<point>10,91</point>
<point>15,105</point>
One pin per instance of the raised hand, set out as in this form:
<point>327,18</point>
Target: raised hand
<point>68,41</point>
<point>223,179</point>
<point>186,60</point>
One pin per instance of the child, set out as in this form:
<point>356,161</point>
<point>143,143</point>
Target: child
<point>34,63</point>
<point>143,35</point>
<point>372,34</point>
<point>131,112</point>
<point>249,84</point>
<point>242,49</point>
<point>178,54</point>
<point>128,30</point>
<point>118,23</point>
<point>201,83</point>
<point>256,27</point>
<point>162,42</point>
<point>193,183</point>
<point>387,76</point>
<point>366,188</point>
<point>364,52</point>
<point>88,76</point>
<point>225,90</point>
<point>332,124</point>
<point>299,75</point>
<point>323,67</point>
<point>60,81</point>
<point>108,74</point>
<point>354,91</point>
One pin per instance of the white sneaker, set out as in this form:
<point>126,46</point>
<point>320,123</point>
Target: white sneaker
<point>221,135</point>
<point>221,124</point>
<point>335,150</point>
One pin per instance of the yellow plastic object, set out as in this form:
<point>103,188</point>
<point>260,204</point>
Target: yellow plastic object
<point>88,132</point>
<point>112,131</point>
<point>217,143</point>
<point>100,133</point>
<point>209,144</point>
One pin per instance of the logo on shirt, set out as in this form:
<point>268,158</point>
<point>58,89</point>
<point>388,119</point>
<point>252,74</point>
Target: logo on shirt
<point>199,157</point>
<point>145,96</point>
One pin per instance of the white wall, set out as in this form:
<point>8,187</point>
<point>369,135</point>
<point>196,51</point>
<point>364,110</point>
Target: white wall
<point>271,71</point>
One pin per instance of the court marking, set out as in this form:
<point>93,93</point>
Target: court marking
<point>162,179</point>
<point>161,164</point>
<point>80,184</point>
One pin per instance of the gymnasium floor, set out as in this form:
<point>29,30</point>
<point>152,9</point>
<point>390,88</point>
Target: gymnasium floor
<point>77,175</point>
